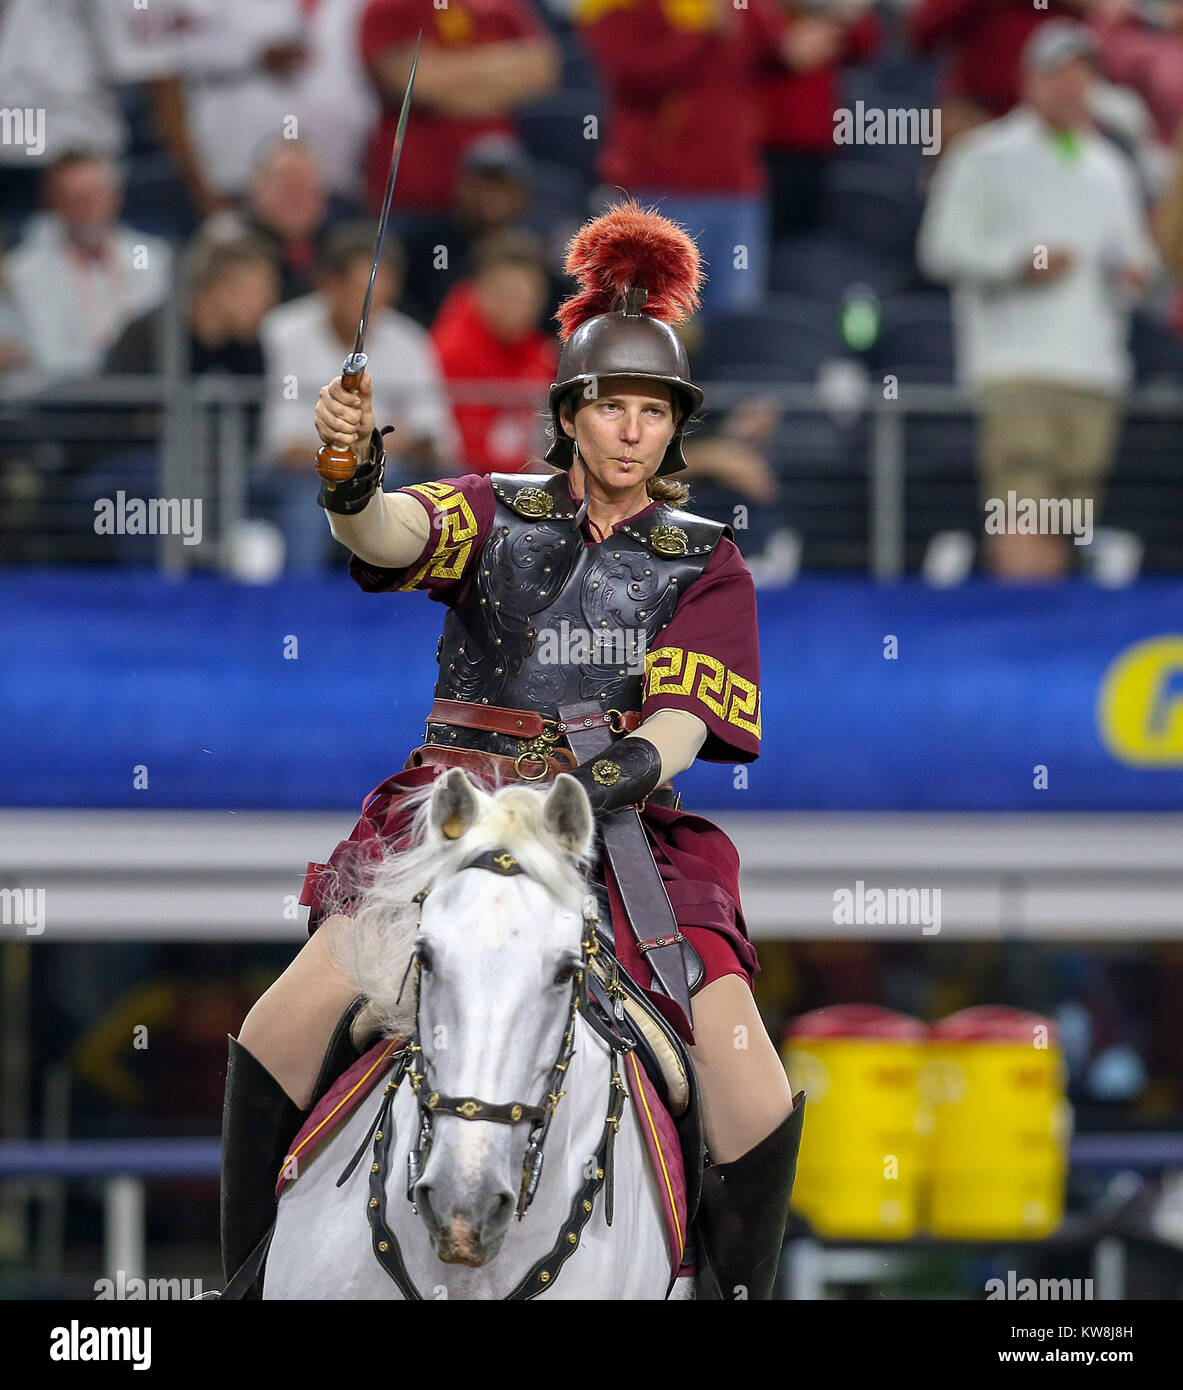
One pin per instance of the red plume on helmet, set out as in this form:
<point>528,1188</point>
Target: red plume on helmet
<point>626,248</point>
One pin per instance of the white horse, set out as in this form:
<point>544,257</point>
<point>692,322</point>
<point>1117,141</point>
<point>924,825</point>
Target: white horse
<point>491,959</point>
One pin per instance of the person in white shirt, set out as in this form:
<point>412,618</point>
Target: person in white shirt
<point>304,344</point>
<point>80,276</point>
<point>68,60</point>
<point>336,127</point>
<point>241,66</point>
<point>64,66</point>
<point>1036,221</point>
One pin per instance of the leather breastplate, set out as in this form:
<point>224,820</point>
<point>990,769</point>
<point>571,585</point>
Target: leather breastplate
<point>549,620</point>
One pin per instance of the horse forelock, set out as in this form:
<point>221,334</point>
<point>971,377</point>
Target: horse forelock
<point>375,953</point>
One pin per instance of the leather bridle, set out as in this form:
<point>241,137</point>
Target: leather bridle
<point>411,1064</point>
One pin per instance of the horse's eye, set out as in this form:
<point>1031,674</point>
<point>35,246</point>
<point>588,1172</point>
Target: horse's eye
<point>424,958</point>
<point>566,972</point>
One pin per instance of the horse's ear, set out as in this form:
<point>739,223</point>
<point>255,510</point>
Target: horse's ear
<point>454,805</point>
<point>567,814</point>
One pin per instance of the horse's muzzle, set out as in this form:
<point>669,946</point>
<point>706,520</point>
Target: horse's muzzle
<point>461,1235</point>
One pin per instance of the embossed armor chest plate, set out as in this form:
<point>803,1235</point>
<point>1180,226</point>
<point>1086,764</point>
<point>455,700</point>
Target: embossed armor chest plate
<point>550,620</point>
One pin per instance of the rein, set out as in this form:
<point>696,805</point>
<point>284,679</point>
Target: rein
<point>411,1065</point>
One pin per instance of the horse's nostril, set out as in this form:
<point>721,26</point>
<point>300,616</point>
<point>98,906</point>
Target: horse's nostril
<point>422,1199</point>
<point>503,1205</point>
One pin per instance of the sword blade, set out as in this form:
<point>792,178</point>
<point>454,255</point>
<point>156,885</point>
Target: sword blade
<point>387,199</point>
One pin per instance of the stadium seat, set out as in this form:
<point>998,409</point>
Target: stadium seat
<point>760,373</point>
<point>823,266</point>
<point>1158,352</point>
<point>560,194</point>
<point>917,333</point>
<point>579,70</point>
<point>790,331</point>
<point>553,129</point>
<point>875,205</point>
<point>886,89</point>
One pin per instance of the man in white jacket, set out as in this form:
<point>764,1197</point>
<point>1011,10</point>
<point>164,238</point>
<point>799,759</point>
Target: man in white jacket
<point>1036,221</point>
<point>80,275</point>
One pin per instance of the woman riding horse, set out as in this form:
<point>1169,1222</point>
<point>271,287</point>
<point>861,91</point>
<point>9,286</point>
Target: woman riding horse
<point>556,586</point>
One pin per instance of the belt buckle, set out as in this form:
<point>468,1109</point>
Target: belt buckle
<point>537,749</point>
<point>531,755</point>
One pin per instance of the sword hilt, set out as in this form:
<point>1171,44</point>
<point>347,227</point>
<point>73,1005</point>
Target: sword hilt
<point>334,463</point>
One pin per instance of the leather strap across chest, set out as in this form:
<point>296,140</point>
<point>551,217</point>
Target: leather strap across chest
<point>646,902</point>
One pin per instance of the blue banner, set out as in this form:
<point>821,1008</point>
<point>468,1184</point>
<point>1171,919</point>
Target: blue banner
<point>122,689</point>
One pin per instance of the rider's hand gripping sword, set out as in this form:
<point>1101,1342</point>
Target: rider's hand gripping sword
<point>333,463</point>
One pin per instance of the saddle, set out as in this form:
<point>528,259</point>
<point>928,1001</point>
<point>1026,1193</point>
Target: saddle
<point>661,1052</point>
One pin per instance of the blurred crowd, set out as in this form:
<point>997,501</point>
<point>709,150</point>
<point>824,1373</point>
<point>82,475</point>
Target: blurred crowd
<point>985,191</point>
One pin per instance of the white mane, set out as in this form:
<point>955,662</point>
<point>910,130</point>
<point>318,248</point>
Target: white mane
<point>375,952</point>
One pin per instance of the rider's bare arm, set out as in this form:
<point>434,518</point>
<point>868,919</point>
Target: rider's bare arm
<point>393,528</point>
<point>390,532</point>
<point>677,735</point>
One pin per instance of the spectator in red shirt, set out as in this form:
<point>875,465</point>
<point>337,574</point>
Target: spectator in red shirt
<point>481,60</point>
<point>799,106</point>
<point>683,124</point>
<point>488,330</point>
<point>1145,55</point>
<point>983,41</point>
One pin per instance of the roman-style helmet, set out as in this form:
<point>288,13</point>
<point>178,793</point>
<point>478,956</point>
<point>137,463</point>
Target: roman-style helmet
<point>637,272</point>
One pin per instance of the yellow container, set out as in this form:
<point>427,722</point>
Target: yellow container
<point>859,1170</point>
<point>998,1148</point>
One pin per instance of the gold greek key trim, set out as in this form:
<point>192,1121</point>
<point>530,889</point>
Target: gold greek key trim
<point>458,529</point>
<point>729,697</point>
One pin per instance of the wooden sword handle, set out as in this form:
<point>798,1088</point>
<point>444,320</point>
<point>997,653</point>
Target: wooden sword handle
<point>334,463</point>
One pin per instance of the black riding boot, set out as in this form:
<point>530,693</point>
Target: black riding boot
<point>743,1211</point>
<point>259,1122</point>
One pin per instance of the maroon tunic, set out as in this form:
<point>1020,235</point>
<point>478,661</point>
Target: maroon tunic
<point>706,660</point>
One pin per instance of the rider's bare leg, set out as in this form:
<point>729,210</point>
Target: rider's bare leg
<point>745,1092</point>
<point>753,1131</point>
<point>289,1029</point>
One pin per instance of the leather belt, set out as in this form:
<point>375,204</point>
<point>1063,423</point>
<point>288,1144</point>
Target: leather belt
<point>495,766</point>
<point>527,723</point>
<point>638,880</point>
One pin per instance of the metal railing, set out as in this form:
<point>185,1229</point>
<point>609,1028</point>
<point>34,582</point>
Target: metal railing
<point>123,1167</point>
<point>199,430</point>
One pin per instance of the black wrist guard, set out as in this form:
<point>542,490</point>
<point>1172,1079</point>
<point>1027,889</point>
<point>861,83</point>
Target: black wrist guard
<point>622,775</point>
<point>354,494</point>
